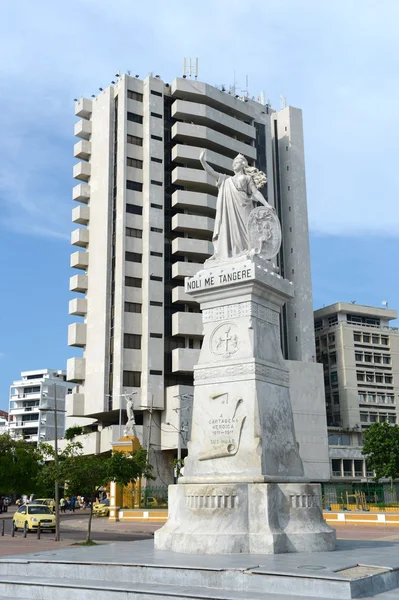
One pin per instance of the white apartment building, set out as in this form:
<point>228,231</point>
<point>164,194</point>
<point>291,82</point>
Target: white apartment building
<point>33,399</point>
<point>145,217</point>
<point>360,356</point>
<point>3,422</point>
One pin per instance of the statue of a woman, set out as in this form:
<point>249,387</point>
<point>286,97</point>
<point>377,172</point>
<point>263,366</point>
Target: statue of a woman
<point>237,197</point>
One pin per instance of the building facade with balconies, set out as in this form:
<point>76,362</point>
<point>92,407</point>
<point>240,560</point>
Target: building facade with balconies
<point>147,211</point>
<point>32,403</point>
<point>359,351</point>
<point>3,422</point>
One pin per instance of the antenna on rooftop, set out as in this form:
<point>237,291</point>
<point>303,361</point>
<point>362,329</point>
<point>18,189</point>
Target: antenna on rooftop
<point>246,92</point>
<point>190,67</point>
<point>385,303</point>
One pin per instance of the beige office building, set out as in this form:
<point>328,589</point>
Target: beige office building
<point>144,221</point>
<point>359,351</point>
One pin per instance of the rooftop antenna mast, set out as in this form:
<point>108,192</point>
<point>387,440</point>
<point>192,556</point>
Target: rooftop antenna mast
<point>190,68</point>
<point>246,91</point>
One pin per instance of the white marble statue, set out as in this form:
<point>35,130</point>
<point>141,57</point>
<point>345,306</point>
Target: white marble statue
<point>130,428</point>
<point>237,197</point>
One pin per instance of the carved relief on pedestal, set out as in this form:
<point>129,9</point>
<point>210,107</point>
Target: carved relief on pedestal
<point>224,340</point>
<point>240,309</point>
<point>224,426</point>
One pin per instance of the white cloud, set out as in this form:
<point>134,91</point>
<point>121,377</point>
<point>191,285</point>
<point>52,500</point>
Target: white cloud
<point>337,61</point>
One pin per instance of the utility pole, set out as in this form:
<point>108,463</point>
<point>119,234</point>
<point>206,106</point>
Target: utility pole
<point>57,489</point>
<point>179,433</point>
<point>149,427</point>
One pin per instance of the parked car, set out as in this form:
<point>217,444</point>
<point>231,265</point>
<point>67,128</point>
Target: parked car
<point>28,517</point>
<point>150,502</point>
<point>101,509</point>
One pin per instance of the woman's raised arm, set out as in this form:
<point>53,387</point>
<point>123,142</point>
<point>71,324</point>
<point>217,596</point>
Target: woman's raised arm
<point>206,167</point>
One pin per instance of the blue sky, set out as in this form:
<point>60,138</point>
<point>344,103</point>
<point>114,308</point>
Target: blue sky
<point>338,61</point>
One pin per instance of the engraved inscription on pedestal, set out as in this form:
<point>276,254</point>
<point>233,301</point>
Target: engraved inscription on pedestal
<point>224,341</point>
<point>223,433</point>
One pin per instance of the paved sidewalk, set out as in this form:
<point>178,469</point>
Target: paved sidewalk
<point>21,545</point>
<point>102,524</point>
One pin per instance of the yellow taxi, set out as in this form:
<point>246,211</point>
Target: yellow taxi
<point>101,509</point>
<point>50,502</point>
<point>28,517</point>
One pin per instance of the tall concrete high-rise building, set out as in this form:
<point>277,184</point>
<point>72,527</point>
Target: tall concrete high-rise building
<point>359,351</point>
<point>147,210</point>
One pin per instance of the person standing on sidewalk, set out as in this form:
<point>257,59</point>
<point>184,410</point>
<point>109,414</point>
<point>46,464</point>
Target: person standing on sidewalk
<point>73,503</point>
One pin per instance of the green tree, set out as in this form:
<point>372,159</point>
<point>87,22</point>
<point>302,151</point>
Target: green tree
<point>20,465</point>
<point>72,432</point>
<point>84,474</point>
<point>381,449</point>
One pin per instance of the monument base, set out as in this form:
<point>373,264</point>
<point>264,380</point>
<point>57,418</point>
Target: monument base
<point>245,518</point>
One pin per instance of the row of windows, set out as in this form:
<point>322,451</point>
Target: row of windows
<point>363,320</point>
<point>132,341</point>
<point>135,118</point>
<point>138,164</point>
<point>139,97</point>
<point>371,377</point>
<point>134,209</point>
<point>133,378</point>
<point>377,398</point>
<point>350,468</point>
<point>135,307</point>
<point>370,357</point>
<point>136,186</point>
<point>137,233</point>
<point>368,338</point>
<point>137,283</point>
<point>377,418</point>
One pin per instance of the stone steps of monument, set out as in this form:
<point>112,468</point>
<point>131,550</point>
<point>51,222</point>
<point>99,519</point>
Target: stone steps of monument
<point>140,581</point>
<point>42,588</point>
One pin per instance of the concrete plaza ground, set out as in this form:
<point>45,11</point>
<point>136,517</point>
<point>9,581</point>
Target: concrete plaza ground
<point>105,532</point>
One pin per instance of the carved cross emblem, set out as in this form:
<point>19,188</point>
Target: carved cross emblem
<point>223,341</point>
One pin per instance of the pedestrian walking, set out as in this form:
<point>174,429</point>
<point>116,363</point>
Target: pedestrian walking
<point>73,504</point>
<point>62,505</point>
<point>1,504</point>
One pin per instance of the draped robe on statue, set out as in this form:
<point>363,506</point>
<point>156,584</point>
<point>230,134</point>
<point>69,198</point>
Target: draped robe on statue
<point>233,207</point>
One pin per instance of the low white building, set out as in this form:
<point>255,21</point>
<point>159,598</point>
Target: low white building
<point>33,400</point>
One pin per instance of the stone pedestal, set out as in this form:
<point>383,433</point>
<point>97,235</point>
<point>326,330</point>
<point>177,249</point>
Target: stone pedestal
<point>245,518</point>
<point>243,488</point>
